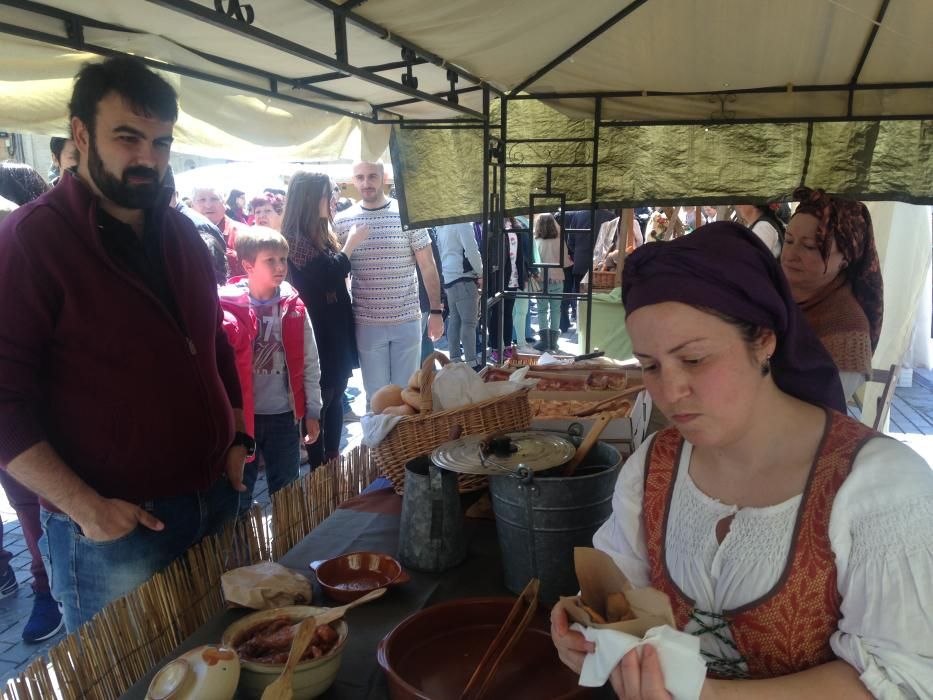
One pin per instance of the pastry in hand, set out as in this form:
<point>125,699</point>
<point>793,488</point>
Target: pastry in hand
<point>618,608</point>
<point>595,617</point>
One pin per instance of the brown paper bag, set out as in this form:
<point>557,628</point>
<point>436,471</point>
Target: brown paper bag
<point>599,576</point>
<point>265,585</point>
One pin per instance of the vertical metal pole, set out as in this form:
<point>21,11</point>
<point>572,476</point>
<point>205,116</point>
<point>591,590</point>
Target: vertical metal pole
<point>595,174</point>
<point>485,224</point>
<point>503,237</point>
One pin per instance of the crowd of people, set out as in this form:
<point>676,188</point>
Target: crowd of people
<point>164,346</point>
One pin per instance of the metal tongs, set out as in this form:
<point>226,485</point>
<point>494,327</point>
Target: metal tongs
<point>519,618</point>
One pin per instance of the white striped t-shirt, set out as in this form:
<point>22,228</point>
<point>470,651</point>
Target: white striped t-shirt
<point>384,283</point>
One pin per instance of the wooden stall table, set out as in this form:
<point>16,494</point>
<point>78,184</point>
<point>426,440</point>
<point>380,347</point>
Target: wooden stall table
<point>370,522</point>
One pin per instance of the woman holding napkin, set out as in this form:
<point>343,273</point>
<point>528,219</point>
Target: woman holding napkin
<point>796,543</point>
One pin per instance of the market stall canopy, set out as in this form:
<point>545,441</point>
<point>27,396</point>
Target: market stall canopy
<point>317,79</point>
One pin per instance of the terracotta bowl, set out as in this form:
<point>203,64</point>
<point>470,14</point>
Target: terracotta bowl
<point>432,654</point>
<point>351,576</point>
<point>311,678</point>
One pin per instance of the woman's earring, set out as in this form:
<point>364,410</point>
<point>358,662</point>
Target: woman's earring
<point>766,366</point>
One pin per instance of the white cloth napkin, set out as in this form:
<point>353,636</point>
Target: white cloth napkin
<point>376,427</point>
<point>679,653</point>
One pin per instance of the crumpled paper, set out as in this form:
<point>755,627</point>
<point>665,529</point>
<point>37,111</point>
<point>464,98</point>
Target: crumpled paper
<point>679,654</point>
<point>265,585</point>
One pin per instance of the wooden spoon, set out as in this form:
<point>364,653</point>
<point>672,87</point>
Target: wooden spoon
<point>281,688</point>
<point>584,449</point>
<point>325,618</point>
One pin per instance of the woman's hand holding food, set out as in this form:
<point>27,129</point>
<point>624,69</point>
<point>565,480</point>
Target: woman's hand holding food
<point>572,646</point>
<point>638,676</point>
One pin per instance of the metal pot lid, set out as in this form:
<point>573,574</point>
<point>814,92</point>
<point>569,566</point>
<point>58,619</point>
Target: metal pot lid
<point>536,450</point>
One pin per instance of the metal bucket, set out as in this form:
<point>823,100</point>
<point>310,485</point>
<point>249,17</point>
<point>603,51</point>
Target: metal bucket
<point>563,513</point>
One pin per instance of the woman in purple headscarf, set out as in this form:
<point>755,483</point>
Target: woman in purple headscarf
<point>769,518</point>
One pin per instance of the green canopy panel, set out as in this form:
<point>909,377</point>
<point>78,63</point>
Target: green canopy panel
<point>440,170</point>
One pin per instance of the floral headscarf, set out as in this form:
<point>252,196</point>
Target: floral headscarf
<point>850,225</point>
<point>726,267</point>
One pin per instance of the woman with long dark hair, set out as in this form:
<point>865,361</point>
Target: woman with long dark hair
<point>235,206</point>
<point>19,183</point>
<point>318,269</point>
<point>547,250</point>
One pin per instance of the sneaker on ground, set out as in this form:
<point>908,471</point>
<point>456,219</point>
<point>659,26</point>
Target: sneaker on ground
<point>45,620</point>
<point>8,582</point>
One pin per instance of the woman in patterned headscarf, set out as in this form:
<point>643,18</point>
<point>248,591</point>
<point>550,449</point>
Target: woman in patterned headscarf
<point>832,266</point>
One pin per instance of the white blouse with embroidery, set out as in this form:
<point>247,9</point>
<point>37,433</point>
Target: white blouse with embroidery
<point>881,532</point>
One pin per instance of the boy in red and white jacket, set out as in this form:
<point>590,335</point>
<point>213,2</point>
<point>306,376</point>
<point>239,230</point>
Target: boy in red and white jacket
<point>276,356</point>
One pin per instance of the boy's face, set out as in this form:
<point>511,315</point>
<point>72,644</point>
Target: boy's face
<point>268,271</point>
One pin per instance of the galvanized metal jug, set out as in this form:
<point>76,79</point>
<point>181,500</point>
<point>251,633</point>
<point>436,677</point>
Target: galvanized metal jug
<point>431,535</point>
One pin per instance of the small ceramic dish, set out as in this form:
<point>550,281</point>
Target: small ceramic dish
<point>205,673</point>
<point>351,576</point>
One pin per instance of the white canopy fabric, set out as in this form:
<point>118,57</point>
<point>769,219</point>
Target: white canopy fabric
<point>903,238</point>
<point>678,47</point>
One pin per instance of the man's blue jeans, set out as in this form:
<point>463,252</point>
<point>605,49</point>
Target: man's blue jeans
<point>86,575</point>
<point>279,443</point>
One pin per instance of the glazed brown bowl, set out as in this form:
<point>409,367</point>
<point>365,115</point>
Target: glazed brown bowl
<point>351,576</point>
<point>432,654</point>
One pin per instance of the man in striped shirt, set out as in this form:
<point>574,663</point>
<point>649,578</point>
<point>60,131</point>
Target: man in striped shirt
<point>385,286</point>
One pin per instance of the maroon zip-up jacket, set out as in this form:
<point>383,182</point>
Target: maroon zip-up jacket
<point>137,402</point>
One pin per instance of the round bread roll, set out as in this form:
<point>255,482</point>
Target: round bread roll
<point>415,381</point>
<point>390,395</point>
<point>403,410</point>
<point>412,397</point>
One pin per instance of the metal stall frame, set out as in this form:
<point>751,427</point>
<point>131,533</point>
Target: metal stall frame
<point>237,19</point>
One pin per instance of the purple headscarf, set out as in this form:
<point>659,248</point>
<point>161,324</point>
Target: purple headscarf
<point>726,267</point>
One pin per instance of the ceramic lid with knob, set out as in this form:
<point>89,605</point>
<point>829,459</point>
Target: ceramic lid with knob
<point>502,454</point>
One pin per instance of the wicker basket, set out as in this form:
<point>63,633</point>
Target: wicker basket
<point>603,279</point>
<point>414,436</point>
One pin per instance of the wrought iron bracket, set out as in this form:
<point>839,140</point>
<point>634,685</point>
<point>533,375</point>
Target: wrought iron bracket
<point>453,78</point>
<point>408,78</point>
<point>236,11</point>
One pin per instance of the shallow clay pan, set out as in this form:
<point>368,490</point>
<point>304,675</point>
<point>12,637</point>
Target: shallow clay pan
<point>432,654</point>
<point>351,576</point>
